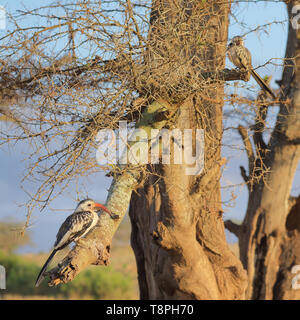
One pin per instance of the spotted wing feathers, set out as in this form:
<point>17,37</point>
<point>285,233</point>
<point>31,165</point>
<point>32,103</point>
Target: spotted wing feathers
<point>74,227</point>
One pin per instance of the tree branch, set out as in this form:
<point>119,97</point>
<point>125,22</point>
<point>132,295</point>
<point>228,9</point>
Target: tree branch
<point>260,119</point>
<point>116,66</point>
<point>226,75</point>
<point>236,229</point>
<point>247,143</point>
<point>244,175</point>
<point>95,247</point>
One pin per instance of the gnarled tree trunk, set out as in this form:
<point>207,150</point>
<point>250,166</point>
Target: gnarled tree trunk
<point>177,228</point>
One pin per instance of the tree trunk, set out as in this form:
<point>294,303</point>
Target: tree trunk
<point>178,232</point>
<point>269,234</point>
<point>177,228</point>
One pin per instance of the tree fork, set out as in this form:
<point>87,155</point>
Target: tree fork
<point>95,247</point>
<point>269,238</point>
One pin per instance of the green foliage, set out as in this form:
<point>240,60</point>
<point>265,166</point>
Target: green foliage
<point>99,283</point>
<point>21,276</point>
<point>94,283</point>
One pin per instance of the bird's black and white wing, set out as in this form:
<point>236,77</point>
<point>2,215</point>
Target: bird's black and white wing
<point>74,227</point>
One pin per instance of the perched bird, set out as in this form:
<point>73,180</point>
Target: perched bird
<point>241,58</point>
<point>76,226</point>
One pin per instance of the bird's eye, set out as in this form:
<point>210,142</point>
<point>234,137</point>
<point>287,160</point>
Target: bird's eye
<point>89,204</point>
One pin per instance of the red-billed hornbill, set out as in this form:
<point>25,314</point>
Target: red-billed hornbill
<point>76,226</point>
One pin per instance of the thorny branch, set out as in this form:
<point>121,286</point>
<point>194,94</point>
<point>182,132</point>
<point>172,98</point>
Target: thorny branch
<point>81,69</point>
<point>85,66</point>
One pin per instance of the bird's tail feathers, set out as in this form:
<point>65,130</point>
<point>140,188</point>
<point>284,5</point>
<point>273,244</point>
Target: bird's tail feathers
<point>40,277</point>
<point>262,83</point>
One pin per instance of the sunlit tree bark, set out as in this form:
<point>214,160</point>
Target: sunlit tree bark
<point>269,234</point>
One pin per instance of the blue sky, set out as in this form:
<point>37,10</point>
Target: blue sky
<point>264,44</point>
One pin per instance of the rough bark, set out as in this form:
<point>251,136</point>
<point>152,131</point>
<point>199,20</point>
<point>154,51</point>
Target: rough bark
<point>177,228</point>
<point>95,247</point>
<point>269,234</point>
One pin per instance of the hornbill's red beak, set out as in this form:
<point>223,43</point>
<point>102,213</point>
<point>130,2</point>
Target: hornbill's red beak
<point>99,206</point>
